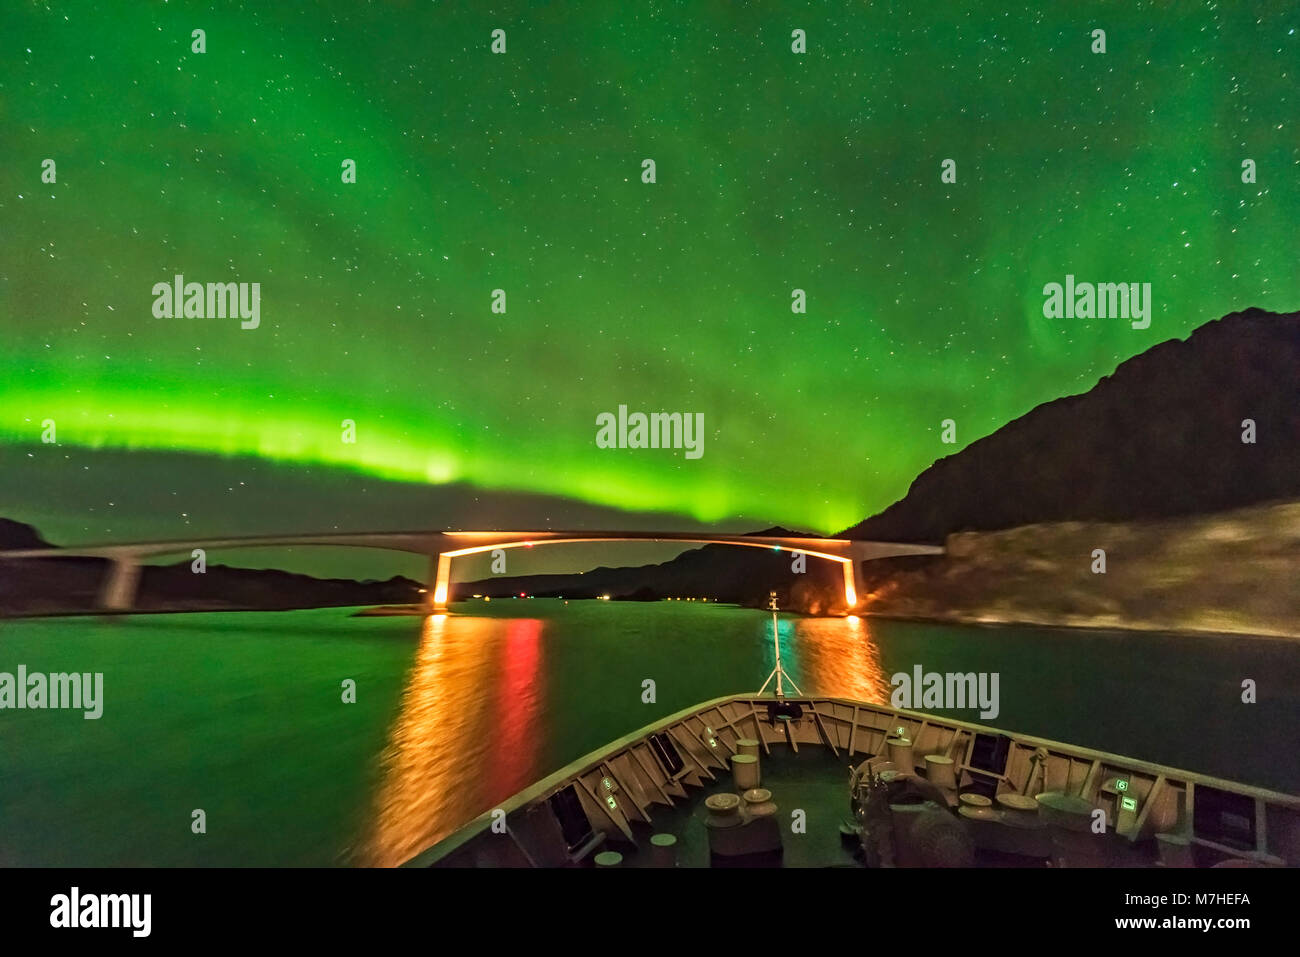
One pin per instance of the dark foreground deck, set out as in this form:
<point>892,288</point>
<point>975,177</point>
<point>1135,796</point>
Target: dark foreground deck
<point>815,782</point>
<point>957,794</point>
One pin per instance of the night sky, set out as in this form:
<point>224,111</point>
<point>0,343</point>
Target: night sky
<point>522,171</point>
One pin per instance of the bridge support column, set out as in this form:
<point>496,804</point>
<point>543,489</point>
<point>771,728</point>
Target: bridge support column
<point>853,585</point>
<point>439,585</point>
<point>118,592</point>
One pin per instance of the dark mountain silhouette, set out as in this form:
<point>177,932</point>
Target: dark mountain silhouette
<point>1159,437</point>
<point>726,573</point>
<point>20,535</point>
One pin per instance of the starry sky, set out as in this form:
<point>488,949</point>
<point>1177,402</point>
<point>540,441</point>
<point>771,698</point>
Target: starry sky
<point>522,171</point>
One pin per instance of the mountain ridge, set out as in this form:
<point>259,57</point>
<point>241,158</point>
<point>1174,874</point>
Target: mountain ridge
<point>1081,448</point>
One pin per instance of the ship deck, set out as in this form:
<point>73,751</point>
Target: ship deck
<point>816,782</point>
<point>811,780</point>
<point>1015,800</point>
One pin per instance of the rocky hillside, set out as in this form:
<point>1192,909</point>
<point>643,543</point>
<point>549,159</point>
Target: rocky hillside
<point>1161,436</point>
<point>1227,573</point>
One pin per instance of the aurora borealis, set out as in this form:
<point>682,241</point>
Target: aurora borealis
<point>522,171</point>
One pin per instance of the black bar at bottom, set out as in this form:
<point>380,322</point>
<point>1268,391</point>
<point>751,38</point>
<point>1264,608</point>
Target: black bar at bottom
<point>834,905</point>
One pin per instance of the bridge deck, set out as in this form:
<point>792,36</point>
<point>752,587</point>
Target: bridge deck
<point>443,546</point>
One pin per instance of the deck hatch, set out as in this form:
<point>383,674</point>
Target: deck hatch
<point>1224,817</point>
<point>783,709</point>
<point>567,808</point>
<point>665,753</point>
<point>990,753</point>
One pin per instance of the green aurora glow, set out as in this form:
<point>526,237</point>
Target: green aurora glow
<point>522,172</point>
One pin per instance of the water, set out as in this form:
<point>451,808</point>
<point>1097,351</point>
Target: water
<point>241,714</point>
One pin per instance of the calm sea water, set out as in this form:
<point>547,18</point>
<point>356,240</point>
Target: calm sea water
<point>241,714</point>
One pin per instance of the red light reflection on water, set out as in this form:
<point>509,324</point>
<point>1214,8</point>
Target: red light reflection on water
<point>454,749</point>
<point>520,699</point>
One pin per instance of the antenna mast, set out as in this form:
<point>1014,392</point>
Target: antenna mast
<point>778,672</point>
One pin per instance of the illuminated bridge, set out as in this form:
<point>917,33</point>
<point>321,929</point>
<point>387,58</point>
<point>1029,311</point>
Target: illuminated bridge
<point>118,592</point>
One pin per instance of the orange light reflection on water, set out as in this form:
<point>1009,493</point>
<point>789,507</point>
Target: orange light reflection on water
<point>454,750</point>
<point>838,657</point>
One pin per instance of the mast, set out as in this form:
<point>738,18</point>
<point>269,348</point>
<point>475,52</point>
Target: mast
<point>778,672</point>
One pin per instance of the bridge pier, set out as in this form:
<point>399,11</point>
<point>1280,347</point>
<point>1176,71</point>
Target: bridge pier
<point>435,601</point>
<point>118,592</point>
<point>853,585</point>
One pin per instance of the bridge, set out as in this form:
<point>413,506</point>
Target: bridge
<point>442,547</point>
